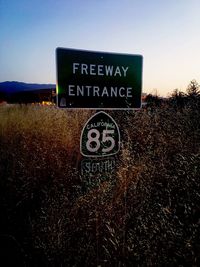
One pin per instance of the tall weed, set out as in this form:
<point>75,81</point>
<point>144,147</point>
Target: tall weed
<point>146,213</point>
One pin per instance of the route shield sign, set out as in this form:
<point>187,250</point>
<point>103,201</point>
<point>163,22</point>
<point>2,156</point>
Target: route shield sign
<point>98,80</point>
<point>100,136</point>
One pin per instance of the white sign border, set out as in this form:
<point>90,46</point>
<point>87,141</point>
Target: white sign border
<point>100,156</point>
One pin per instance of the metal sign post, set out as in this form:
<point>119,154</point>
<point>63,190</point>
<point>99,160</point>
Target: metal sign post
<point>99,81</point>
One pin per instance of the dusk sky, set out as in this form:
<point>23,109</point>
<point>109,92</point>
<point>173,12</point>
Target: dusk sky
<point>164,32</point>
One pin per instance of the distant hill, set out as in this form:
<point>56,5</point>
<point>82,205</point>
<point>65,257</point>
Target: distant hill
<point>19,92</point>
<point>14,87</point>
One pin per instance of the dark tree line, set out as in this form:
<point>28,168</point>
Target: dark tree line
<point>178,99</point>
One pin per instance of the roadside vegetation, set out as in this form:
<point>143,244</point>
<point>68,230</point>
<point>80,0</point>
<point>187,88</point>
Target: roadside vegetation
<point>146,213</point>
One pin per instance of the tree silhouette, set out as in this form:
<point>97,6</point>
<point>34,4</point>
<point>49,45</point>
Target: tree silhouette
<point>193,89</point>
<point>153,101</point>
<point>178,99</point>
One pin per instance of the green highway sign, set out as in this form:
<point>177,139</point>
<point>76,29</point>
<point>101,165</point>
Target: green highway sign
<point>98,80</point>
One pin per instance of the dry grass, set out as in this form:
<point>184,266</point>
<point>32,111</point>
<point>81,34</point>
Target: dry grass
<point>145,214</point>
